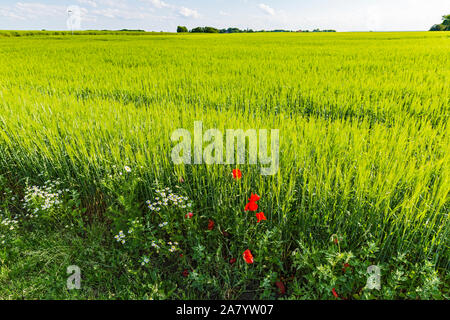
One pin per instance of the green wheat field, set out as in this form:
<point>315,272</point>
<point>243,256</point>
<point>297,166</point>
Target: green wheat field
<point>363,180</point>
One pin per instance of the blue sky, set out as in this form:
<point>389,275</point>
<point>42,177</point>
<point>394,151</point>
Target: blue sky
<point>165,15</point>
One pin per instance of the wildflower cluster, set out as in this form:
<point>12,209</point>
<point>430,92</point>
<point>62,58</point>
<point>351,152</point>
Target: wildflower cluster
<point>162,225</point>
<point>173,246</point>
<point>120,237</point>
<point>7,225</point>
<point>159,245</point>
<point>140,232</point>
<point>156,246</point>
<point>10,224</point>
<point>252,205</point>
<point>43,198</point>
<point>167,198</point>
<point>136,225</point>
<point>145,260</point>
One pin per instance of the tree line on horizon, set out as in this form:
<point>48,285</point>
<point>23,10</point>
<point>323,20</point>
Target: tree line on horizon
<point>183,29</point>
<point>444,26</point>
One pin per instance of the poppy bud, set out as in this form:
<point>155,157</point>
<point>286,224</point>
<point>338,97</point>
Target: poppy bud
<point>281,287</point>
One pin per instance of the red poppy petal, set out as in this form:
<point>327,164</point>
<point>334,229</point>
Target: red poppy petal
<point>251,206</point>
<point>248,257</point>
<point>237,174</point>
<point>254,198</point>
<point>334,293</point>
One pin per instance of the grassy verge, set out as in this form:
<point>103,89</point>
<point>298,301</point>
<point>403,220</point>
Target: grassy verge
<point>37,249</point>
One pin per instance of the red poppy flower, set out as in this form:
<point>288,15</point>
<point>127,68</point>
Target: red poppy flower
<point>248,257</point>
<point>237,174</point>
<point>232,261</point>
<point>210,224</point>
<point>185,273</point>
<point>189,215</point>
<point>334,293</point>
<point>254,198</point>
<point>260,216</point>
<point>251,206</point>
<point>281,287</point>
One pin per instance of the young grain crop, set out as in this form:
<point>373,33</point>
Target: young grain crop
<point>363,123</point>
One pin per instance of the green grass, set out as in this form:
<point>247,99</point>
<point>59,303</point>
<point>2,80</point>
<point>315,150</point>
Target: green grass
<point>364,155</point>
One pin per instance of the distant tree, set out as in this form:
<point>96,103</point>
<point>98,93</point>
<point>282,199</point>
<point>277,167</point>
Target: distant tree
<point>235,30</point>
<point>437,27</point>
<point>211,30</point>
<point>205,30</point>
<point>182,29</point>
<point>446,20</point>
<point>318,30</point>
<point>444,26</point>
<point>132,30</point>
<point>198,30</point>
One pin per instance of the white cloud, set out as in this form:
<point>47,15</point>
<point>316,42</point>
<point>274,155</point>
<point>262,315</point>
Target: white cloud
<point>266,9</point>
<point>4,12</point>
<point>39,9</point>
<point>160,4</point>
<point>189,13</point>
<point>122,14</point>
<point>119,4</point>
<point>182,11</point>
<point>89,2</point>
<point>26,10</point>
